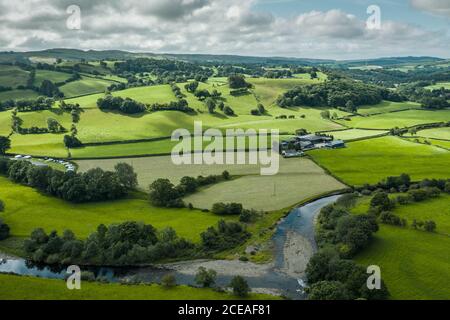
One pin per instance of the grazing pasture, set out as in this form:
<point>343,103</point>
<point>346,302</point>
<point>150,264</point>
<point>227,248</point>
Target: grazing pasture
<point>398,119</point>
<point>18,95</point>
<point>84,86</point>
<point>25,288</point>
<point>53,76</point>
<point>414,264</point>
<point>436,133</point>
<point>355,134</point>
<point>27,209</point>
<point>13,76</point>
<point>388,106</point>
<point>370,161</point>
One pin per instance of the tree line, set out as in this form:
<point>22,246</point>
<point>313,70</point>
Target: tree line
<point>93,185</point>
<point>341,93</point>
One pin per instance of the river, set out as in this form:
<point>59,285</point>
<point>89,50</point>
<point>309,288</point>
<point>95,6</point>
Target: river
<point>293,244</point>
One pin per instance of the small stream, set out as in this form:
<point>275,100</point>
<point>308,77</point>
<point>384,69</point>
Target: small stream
<point>300,221</point>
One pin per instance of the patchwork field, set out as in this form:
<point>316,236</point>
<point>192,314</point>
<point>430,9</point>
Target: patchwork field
<point>370,161</point>
<point>35,209</point>
<point>269,192</point>
<point>398,119</point>
<point>26,288</point>
<point>151,168</point>
<point>12,76</point>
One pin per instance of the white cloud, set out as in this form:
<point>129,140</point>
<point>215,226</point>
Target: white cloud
<point>208,26</point>
<point>438,7</point>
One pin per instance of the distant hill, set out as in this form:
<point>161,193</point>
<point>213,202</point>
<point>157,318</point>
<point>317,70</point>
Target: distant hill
<point>76,55</point>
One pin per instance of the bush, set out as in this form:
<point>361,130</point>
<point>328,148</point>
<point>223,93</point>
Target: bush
<point>168,281</point>
<point>240,287</point>
<point>205,278</point>
<point>328,290</point>
<point>223,209</point>
<point>4,230</point>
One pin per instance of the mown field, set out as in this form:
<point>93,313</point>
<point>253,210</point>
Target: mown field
<point>352,134</point>
<point>27,209</point>
<point>86,85</point>
<point>53,76</point>
<point>436,133</point>
<point>398,119</point>
<point>31,288</point>
<point>18,95</point>
<point>270,192</point>
<point>151,168</point>
<point>370,161</point>
<point>387,106</point>
<point>414,264</point>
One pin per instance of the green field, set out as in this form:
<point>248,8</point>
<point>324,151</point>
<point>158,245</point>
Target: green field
<point>304,180</point>
<point>18,95</point>
<point>84,86</point>
<point>268,90</point>
<point>38,210</point>
<point>414,264</point>
<point>436,133</point>
<point>437,209</point>
<point>99,126</point>
<point>398,119</point>
<point>12,76</point>
<point>53,76</point>
<point>387,106</point>
<point>31,288</point>
<point>439,85</point>
<point>352,134</point>
<point>151,168</point>
<point>370,161</point>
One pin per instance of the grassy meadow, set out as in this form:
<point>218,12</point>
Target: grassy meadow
<point>414,264</point>
<point>31,288</point>
<point>85,86</point>
<point>370,161</point>
<point>352,134</point>
<point>37,210</point>
<point>388,106</point>
<point>398,119</point>
<point>53,76</point>
<point>13,76</point>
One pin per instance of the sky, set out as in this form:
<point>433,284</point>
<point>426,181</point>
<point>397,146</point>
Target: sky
<point>325,29</point>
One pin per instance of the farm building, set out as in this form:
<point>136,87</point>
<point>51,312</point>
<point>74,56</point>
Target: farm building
<point>336,144</point>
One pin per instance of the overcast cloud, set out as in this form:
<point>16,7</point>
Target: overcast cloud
<point>216,27</point>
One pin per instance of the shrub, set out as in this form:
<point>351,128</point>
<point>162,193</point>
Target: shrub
<point>223,209</point>
<point>168,281</point>
<point>205,278</point>
<point>4,230</point>
<point>240,287</point>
